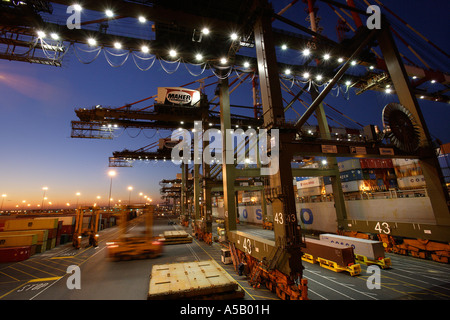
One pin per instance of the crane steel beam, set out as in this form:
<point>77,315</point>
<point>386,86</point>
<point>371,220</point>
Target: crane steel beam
<point>437,190</point>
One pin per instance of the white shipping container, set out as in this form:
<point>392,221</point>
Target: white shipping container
<point>411,182</point>
<point>404,162</point>
<point>350,164</point>
<point>368,248</point>
<point>311,182</point>
<point>352,186</point>
<point>314,191</point>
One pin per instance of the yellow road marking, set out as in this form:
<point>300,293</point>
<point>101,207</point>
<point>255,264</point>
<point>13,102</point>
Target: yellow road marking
<point>37,269</point>
<point>9,276</point>
<point>33,280</point>
<point>45,279</point>
<point>48,266</point>
<point>23,272</point>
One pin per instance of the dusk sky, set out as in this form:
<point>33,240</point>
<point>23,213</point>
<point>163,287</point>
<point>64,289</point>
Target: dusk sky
<point>38,102</point>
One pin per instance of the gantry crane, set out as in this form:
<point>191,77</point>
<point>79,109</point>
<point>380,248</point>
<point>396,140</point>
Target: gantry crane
<point>92,228</point>
<point>279,261</point>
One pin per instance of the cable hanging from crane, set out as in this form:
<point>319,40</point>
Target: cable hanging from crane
<point>126,54</point>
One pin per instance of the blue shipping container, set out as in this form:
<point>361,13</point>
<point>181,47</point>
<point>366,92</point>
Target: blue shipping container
<point>352,175</point>
<point>444,160</point>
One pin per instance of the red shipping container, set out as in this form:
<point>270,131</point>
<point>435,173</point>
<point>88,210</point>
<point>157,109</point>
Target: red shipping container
<point>445,148</point>
<point>364,163</point>
<point>52,233</point>
<point>66,229</point>
<point>14,254</point>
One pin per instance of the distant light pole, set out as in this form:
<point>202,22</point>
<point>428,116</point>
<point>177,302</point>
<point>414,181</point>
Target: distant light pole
<point>43,198</point>
<point>78,196</point>
<point>112,174</point>
<point>130,188</point>
<point>3,199</point>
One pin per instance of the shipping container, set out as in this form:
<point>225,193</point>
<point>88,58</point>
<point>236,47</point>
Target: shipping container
<point>51,243</point>
<point>42,235</point>
<point>404,162</point>
<point>370,249</point>
<point>350,164</point>
<point>353,186</point>
<point>31,224</point>
<point>18,240</point>
<point>310,182</point>
<point>444,160</point>
<point>412,182</point>
<point>15,254</point>
<point>314,191</point>
<point>445,148</point>
<point>351,175</point>
<point>337,253</point>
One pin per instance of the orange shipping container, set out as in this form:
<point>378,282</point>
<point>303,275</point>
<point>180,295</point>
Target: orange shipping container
<point>30,224</point>
<point>18,240</point>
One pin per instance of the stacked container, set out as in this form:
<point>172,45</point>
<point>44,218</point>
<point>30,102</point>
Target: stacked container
<point>409,174</point>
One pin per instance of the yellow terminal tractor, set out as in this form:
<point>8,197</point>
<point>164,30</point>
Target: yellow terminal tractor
<point>128,247</point>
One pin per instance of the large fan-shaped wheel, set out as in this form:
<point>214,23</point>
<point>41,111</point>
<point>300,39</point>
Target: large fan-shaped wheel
<point>400,127</point>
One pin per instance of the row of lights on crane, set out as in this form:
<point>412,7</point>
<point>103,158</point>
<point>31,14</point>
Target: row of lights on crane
<point>326,57</point>
<point>199,57</point>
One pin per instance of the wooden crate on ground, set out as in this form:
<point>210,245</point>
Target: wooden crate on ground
<point>199,280</point>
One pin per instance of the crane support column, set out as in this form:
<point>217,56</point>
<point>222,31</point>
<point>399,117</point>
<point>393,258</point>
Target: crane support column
<point>280,191</point>
<point>229,199</point>
<point>440,200</point>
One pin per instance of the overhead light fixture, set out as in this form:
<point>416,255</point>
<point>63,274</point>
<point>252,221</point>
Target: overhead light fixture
<point>433,81</point>
<point>246,64</point>
<point>371,67</point>
<point>319,77</point>
<point>54,36</point>
<point>353,63</point>
<point>388,90</point>
<point>340,60</point>
<point>306,75</point>
<point>223,60</point>
<point>234,36</point>
<point>326,56</point>
<point>198,57</point>
<point>172,53</point>
<point>142,19</point>
<point>41,34</point>
<point>283,47</point>
<point>347,83</point>
<point>145,49</point>
<point>306,52</point>
<point>287,71</point>
<point>109,13</point>
<point>92,42</point>
<point>117,45</point>
<point>205,31</point>
<point>77,7</point>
